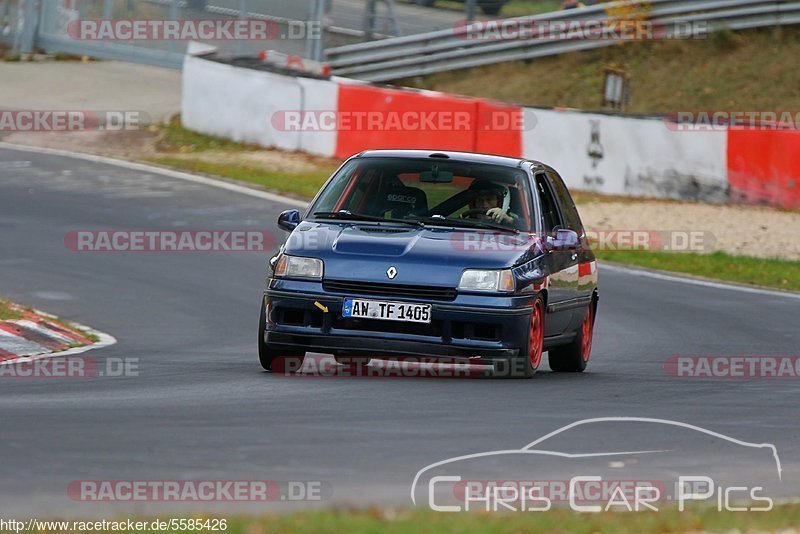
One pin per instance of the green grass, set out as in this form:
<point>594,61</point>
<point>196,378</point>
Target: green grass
<point>303,185</point>
<point>7,312</point>
<point>94,338</point>
<point>176,138</point>
<point>779,274</point>
<point>554,521</point>
<point>548,522</point>
<point>177,145</point>
<point>753,70</point>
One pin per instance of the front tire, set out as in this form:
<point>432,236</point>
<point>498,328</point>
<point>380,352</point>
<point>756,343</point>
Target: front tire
<point>271,359</point>
<point>529,359</point>
<point>573,358</point>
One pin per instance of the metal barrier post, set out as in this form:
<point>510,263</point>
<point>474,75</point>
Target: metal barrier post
<point>369,20</point>
<point>470,10</point>
<point>315,41</point>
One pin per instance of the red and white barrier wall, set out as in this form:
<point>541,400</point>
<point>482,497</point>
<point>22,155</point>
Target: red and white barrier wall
<point>606,153</point>
<point>764,166</point>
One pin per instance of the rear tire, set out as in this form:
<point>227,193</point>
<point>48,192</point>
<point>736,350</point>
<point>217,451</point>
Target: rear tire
<point>573,358</point>
<point>529,359</point>
<point>272,360</point>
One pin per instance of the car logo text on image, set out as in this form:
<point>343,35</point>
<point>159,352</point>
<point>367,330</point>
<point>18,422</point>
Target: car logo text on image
<point>592,492</point>
<point>605,495</point>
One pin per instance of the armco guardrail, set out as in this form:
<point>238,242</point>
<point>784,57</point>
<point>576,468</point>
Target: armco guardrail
<point>451,49</point>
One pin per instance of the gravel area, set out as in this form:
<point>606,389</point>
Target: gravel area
<point>744,230</point>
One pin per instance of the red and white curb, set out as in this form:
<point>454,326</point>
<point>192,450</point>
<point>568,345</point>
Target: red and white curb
<point>36,335</point>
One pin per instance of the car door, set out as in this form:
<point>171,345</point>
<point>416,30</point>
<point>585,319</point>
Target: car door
<point>561,263</point>
<point>581,264</point>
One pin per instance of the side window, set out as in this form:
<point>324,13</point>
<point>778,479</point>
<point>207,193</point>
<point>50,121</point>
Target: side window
<point>549,209</point>
<point>569,212</point>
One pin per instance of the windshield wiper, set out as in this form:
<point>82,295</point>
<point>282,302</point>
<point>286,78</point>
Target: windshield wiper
<point>347,215</point>
<point>468,223</point>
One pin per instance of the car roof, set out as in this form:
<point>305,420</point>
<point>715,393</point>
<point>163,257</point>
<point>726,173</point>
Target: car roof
<point>469,157</point>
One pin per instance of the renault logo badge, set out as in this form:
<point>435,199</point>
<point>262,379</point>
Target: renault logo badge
<point>391,273</point>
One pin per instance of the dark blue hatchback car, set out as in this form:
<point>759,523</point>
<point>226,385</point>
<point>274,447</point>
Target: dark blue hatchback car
<point>446,256</point>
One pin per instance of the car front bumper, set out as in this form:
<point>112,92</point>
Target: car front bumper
<point>303,317</point>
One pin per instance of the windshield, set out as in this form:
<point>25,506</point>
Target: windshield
<point>434,192</point>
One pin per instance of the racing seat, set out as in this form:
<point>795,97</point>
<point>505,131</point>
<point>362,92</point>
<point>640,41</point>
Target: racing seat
<point>406,201</point>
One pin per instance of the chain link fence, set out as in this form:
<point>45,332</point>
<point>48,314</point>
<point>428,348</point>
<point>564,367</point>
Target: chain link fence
<point>107,29</point>
<point>296,27</point>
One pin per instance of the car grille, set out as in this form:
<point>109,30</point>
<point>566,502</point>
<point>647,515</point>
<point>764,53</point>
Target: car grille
<point>390,290</point>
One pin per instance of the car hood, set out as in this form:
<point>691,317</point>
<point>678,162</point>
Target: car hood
<point>422,256</point>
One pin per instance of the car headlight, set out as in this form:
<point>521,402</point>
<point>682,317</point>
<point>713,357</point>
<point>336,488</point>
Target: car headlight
<point>298,267</point>
<point>480,280</point>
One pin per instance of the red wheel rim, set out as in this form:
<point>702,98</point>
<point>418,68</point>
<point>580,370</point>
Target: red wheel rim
<point>536,335</point>
<point>587,330</point>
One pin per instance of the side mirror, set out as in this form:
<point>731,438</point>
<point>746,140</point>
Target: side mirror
<point>564,240</point>
<point>289,219</point>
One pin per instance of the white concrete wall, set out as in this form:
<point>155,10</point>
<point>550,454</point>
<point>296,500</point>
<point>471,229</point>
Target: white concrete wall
<point>239,104</point>
<point>637,156</point>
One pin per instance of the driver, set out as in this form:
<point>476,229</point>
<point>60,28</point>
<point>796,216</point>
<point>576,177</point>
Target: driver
<point>492,199</point>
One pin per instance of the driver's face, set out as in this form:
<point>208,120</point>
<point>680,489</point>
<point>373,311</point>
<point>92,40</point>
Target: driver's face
<point>486,201</point>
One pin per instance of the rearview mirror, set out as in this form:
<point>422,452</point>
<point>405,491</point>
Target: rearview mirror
<point>436,177</point>
<point>289,219</point>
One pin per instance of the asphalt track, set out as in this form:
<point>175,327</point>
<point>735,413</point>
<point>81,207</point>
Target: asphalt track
<point>202,408</point>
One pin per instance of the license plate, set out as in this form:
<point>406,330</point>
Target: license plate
<point>388,311</point>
